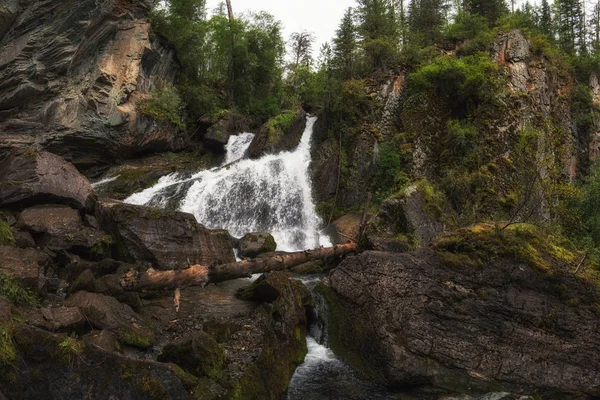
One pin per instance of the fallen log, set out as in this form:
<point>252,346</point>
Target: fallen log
<point>201,275</point>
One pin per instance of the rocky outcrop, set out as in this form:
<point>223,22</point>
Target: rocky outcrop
<point>345,229</point>
<point>409,319</point>
<point>281,133</point>
<point>162,239</point>
<point>411,213</point>
<point>28,176</point>
<point>71,74</point>
<point>218,134</point>
<point>254,244</point>
<point>58,227</point>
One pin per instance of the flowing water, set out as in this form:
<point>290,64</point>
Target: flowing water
<point>270,194</point>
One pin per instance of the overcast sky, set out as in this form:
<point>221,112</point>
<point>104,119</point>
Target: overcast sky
<point>321,17</point>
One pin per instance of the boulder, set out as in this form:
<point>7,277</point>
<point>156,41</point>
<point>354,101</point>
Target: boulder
<point>105,312</point>
<point>254,244</point>
<point>162,239</point>
<point>281,133</point>
<point>199,354</point>
<point>56,366</point>
<point>27,265</point>
<point>57,318</point>
<point>103,339</point>
<point>345,229</point>
<point>409,319</point>
<point>28,176</point>
<point>59,227</point>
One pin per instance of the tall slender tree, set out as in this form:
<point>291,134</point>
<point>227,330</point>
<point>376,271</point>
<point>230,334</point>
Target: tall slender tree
<point>545,18</point>
<point>344,46</point>
<point>570,25</point>
<point>426,20</point>
<point>378,29</point>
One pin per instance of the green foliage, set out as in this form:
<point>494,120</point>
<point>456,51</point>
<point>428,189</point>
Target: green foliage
<point>6,235</point>
<point>13,290</point>
<point>471,32</point>
<point>165,104</point>
<point>8,350</point>
<point>463,83</point>
<point>379,32</point>
<point>279,125</point>
<point>389,176</point>
<point>69,349</point>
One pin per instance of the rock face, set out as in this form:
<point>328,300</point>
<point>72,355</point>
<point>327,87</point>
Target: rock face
<point>254,244</point>
<point>71,74</point>
<point>409,320</point>
<point>345,228</point>
<point>218,134</point>
<point>162,239</point>
<point>30,177</point>
<point>409,214</point>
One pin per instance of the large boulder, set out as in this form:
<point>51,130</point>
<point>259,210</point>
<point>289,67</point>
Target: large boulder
<point>28,176</point>
<point>59,227</point>
<point>279,133</point>
<point>345,229</point>
<point>105,312</point>
<point>218,134</point>
<point>256,243</point>
<point>411,319</point>
<point>57,366</point>
<point>162,239</point>
<point>27,265</point>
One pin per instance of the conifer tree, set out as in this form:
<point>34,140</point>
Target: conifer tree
<point>344,46</point>
<point>378,30</point>
<point>570,26</point>
<point>545,18</point>
<point>490,9</point>
<point>426,20</point>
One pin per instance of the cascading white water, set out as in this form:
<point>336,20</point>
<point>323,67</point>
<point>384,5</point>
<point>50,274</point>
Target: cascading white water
<point>271,194</point>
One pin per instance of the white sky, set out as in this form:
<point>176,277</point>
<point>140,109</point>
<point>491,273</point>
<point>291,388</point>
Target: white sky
<point>320,17</point>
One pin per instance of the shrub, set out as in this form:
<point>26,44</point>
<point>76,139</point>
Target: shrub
<point>6,235</point>
<point>165,104</point>
<point>388,176</point>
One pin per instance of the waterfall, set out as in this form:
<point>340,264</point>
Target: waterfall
<point>271,194</point>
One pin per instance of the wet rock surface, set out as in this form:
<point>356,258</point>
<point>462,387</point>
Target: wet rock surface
<point>271,138</point>
<point>483,329</point>
<point>255,244</point>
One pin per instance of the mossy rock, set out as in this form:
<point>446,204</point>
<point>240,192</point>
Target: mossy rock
<point>200,355</point>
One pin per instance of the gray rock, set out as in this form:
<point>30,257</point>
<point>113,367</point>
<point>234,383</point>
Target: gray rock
<point>27,265</point>
<point>254,244</point>
<point>272,139</point>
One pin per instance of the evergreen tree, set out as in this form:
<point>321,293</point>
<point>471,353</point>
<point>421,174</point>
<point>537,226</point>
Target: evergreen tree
<point>344,46</point>
<point>570,26</point>
<point>595,28</point>
<point>545,18</point>
<point>490,9</point>
<point>378,29</point>
<point>426,20</point>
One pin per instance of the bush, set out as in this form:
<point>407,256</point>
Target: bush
<point>463,83</point>
<point>165,104</point>
<point>388,176</point>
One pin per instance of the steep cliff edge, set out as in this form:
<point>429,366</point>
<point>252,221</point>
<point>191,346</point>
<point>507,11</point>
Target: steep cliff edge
<point>71,73</point>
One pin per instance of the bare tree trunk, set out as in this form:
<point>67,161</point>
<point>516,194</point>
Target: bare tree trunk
<point>233,58</point>
<point>200,275</point>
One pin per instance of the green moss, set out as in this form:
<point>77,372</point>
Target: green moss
<point>481,243</point>
<point>142,380</point>
<point>279,125</point>
<point>131,338</point>
<point>13,290</point>
<point>103,247</point>
<point>6,235</point>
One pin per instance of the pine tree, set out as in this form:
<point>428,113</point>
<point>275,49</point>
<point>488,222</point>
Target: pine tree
<point>426,20</point>
<point>344,46</point>
<point>378,29</point>
<point>490,9</point>
<point>595,28</point>
<point>570,24</point>
<point>545,18</point>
